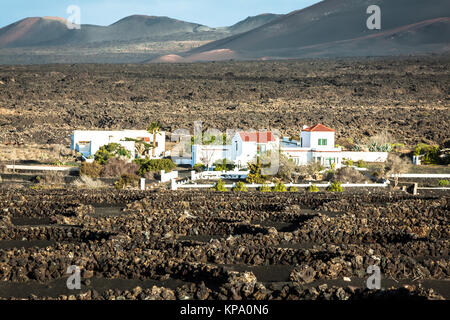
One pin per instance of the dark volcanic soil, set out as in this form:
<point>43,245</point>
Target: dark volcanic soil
<point>208,245</point>
<point>408,97</point>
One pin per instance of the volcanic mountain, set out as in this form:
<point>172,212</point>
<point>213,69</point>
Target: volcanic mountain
<point>334,28</point>
<point>53,31</point>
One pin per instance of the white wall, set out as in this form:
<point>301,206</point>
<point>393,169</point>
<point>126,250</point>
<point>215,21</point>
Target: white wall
<point>99,138</point>
<point>300,156</point>
<point>366,156</point>
<point>208,154</point>
<point>316,135</point>
<point>166,177</point>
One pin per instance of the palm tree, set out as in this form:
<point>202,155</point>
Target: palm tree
<point>154,128</point>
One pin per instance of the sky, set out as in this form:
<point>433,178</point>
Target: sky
<point>213,13</point>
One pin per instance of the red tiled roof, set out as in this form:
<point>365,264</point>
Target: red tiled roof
<point>257,136</point>
<point>319,127</point>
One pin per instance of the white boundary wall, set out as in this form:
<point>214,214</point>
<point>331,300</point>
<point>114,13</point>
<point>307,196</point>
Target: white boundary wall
<point>41,168</point>
<point>422,175</point>
<point>366,156</point>
<point>218,175</point>
<point>176,185</point>
<point>166,177</point>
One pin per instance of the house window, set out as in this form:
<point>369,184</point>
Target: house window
<point>322,142</point>
<point>261,148</point>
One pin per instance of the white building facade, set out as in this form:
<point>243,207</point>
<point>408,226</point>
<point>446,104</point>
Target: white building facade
<point>88,142</point>
<point>245,147</point>
<point>316,145</point>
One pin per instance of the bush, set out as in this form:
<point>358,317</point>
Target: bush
<point>430,154</point>
<point>88,183</point>
<point>293,189</point>
<point>115,167</point>
<point>350,175</point>
<point>112,150</point>
<point>240,186</point>
<point>335,187</point>
<point>279,187</point>
<point>149,175</point>
<point>52,177</point>
<point>264,188</point>
<point>146,165</point>
<point>199,167</point>
<point>361,164</point>
<point>92,170</point>
<point>313,188</point>
<point>127,180</point>
<point>443,183</point>
<point>219,186</point>
<point>348,163</point>
<point>255,175</point>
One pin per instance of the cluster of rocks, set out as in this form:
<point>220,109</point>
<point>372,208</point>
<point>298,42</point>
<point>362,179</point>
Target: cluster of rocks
<point>191,237</point>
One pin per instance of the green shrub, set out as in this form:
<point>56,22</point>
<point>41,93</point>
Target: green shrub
<point>293,189</point>
<point>112,150</point>
<point>199,167</point>
<point>219,186</point>
<point>127,180</point>
<point>279,187</point>
<point>92,170</point>
<point>348,163</point>
<point>313,188</point>
<point>264,188</point>
<point>443,183</point>
<point>146,165</point>
<point>240,186</point>
<point>335,187</point>
<point>361,164</point>
<point>430,154</point>
<point>255,175</point>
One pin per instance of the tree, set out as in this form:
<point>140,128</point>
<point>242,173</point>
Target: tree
<point>255,172</point>
<point>154,128</point>
<point>395,166</point>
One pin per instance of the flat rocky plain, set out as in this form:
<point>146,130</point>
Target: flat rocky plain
<point>407,97</point>
<point>207,245</point>
<point>213,245</point>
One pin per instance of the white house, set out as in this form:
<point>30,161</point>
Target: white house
<point>316,145</point>
<point>88,142</point>
<point>247,146</point>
